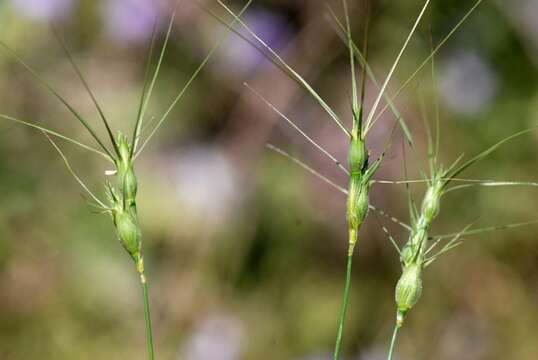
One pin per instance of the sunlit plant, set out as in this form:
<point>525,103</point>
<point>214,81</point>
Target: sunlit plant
<point>360,170</point>
<point>122,152</point>
<point>422,249</point>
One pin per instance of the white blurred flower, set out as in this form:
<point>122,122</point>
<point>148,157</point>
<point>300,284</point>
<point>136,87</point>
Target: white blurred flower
<point>467,82</point>
<point>207,182</point>
<point>214,338</point>
<point>43,10</point>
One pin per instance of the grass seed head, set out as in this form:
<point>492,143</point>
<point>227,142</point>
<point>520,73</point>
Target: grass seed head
<point>409,286</point>
<point>432,201</point>
<point>357,201</point>
<point>358,155</point>
<point>408,290</point>
<point>126,176</point>
<point>126,223</point>
<point>128,232</point>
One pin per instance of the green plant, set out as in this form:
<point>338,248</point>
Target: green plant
<point>121,195</point>
<point>361,171</point>
<point>416,255</point>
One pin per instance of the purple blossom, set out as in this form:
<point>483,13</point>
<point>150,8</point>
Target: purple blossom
<point>130,20</point>
<point>239,56</point>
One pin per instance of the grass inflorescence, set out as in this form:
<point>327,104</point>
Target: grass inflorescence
<point>417,253</point>
<point>122,151</point>
<point>121,185</point>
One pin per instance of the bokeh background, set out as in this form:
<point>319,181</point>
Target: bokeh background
<point>244,250</point>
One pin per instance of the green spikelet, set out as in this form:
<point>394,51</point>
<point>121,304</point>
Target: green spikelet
<point>408,291</point>
<point>127,181</point>
<point>409,286</point>
<point>357,201</point>
<point>129,233</point>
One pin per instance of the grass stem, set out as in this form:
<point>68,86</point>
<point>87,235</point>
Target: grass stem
<point>393,341</point>
<point>343,309</point>
<point>147,317</point>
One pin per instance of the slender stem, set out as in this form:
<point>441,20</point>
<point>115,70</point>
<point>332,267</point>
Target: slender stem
<point>147,317</point>
<point>393,341</point>
<point>343,309</point>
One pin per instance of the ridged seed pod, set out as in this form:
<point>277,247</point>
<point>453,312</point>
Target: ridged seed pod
<point>432,202</point>
<point>127,180</point>
<point>408,290</point>
<point>128,232</point>
<point>357,200</point>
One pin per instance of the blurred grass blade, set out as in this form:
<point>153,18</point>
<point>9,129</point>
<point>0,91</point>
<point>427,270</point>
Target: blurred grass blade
<point>58,96</point>
<point>147,96</point>
<point>436,103</point>
<point>77,178</point>
<point>307,168</point>
<point>88,89</point>
<point>189,82</point>
<point>290,70</point>
<point>413,211</point>
<point>354,94</point>
<point>243,37</point>
<point>428,58</point>
<point>456,236</point>
<point>371,114</point>
<point>486,229</point>
<point>488,151</point>
<point>424,117</point>
<point>58,135</point>
<point>493,184</point>
<point>454,242</point>
<point>298,129</point>
<point>389,236</point>
<point>138,125</point>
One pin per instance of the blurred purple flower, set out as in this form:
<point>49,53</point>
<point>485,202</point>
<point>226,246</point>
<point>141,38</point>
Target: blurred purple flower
<point>43,9</point>
<point>130,20</point>
<point>239,56</point>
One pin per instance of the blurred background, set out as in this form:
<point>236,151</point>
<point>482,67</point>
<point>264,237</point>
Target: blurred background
<point>245,251</point>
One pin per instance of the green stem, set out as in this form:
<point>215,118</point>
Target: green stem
<point>147,317</point>
<point>393,341</point>
<point>345,302</point>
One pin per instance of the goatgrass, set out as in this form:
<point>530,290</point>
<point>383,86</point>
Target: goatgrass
<point>421,250</point>
<point>416,254</point>
<point>121,152</point>
<point>360,171</point>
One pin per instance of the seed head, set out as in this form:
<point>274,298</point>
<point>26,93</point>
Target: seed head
<point>408,290</point>
<point>358,155</point>
<point>127,180</point>
<point>128,232</point>
<point>432,201</point>
<point>357,202</point>
<point>126,224</point>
